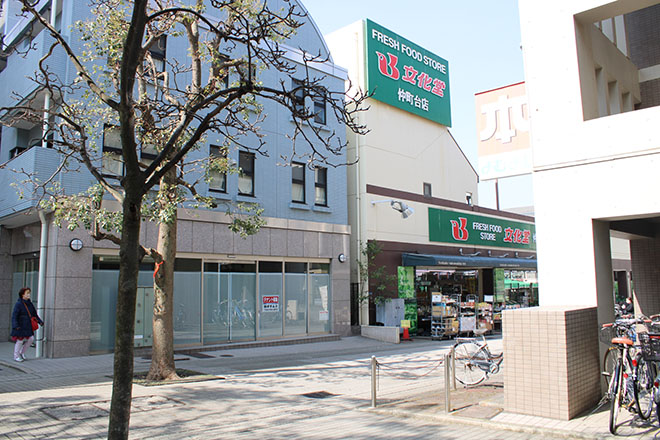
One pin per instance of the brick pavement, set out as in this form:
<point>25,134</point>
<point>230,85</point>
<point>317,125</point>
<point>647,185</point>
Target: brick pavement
<point>262,392</point>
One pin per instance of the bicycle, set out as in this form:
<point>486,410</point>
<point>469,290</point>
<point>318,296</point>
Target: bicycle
<point>473,361</point>
<point>630,378</point>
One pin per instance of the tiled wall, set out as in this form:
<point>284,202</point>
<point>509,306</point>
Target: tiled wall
<point>644,256</point>
<point>551,361</point>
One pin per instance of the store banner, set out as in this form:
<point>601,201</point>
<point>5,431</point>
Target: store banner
<point>405,75</point>
<point>464,228</point>
<point>406,284</point>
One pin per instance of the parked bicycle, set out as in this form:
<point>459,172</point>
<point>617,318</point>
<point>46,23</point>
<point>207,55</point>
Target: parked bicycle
<point>629,376</point>
<point>473,361</point>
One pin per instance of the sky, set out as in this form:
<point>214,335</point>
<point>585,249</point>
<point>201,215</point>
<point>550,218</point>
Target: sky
<point>479,38</point>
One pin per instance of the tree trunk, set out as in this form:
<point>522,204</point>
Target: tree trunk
<point>129,263</point>
<point>162,355</point>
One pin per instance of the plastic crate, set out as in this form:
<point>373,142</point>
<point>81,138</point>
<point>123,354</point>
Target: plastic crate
<point>650,343</point>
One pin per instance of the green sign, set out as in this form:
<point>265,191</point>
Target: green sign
<point>406,281</point>
<point>405,75</point>
<point>464,228</point>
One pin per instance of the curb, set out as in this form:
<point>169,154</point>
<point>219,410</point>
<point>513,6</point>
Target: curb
<point>551,432</point>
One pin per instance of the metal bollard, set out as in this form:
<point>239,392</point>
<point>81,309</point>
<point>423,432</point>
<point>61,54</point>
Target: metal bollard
<point>453,365</point>
<point>374,365</point>
<point>447,360</point>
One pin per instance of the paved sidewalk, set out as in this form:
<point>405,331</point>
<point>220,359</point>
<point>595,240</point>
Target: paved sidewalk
<point>314,391</point>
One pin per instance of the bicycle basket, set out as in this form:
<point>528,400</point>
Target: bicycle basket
<point>650,346</point>
<point>607,334</point>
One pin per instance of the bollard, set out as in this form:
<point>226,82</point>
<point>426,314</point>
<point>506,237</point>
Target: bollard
<point>453,365</point>
<point>374,365</point>
<point>447,360</point>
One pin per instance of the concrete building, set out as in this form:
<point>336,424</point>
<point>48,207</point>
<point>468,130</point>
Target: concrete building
<point>410,172</point>
<point>285,281</point>
<point>592,74</point>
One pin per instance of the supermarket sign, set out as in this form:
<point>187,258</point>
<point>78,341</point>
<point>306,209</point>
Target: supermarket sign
<point>405,75</point>
<point>464,228</point>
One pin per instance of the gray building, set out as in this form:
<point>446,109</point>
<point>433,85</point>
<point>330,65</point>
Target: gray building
<point>285,281</point>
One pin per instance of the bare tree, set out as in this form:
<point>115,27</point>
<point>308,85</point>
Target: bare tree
<point>170,106</point>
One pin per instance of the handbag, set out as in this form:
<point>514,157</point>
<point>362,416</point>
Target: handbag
<point>33,319</point>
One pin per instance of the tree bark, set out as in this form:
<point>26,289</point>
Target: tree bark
<point>162,355</point>
<point>129,254</point>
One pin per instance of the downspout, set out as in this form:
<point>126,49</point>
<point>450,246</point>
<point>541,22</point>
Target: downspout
<point>47,98</point>
<point>41,294</point>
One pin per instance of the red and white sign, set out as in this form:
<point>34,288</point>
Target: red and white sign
<point>270,303</point>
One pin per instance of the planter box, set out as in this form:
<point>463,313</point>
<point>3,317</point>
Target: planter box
<point>381,333</point>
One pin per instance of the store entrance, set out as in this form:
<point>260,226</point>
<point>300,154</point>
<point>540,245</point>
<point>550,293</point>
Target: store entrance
<point>450,302</point>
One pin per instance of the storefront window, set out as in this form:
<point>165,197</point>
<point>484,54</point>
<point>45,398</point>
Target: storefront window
<point>270,298</point>
<point>319,297</point>
<point>295,298</point>
<point>105,282</point>
<point>187,291</point>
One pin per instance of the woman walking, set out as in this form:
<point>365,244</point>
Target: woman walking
<point>22,329</point>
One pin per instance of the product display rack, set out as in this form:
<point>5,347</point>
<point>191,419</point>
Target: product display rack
<point>468,314</point>
<point>444,316</point>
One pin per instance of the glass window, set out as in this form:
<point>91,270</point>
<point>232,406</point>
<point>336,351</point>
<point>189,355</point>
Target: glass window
<point>216,299</point>
<point>158,52</point>
<point>241,285</point>
<point>112,165</point>
<point>319,108</point>
<point>298,89</point>
<point>427,190</point>
<point>319,297</point>
<point>298,182</point>
<point>218,178</point>
<point>270,299</point>
<point>148,153</point>
<point>187,300</point>
<point>246,175</point>
<point>321,186</point>
<point>295,281</point>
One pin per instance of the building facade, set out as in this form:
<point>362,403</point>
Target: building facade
<point>593,97</point>
<point>285,281</point>
<point>410,177</point>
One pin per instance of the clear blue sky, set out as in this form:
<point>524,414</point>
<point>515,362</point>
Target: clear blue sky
<point>479,38</point>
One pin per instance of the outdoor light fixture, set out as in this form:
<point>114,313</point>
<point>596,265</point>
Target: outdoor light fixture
<point>490,254</point>
<point>341,258</point>
<point>76,244</point>
<point>405,210</point>
<point>460,251</point>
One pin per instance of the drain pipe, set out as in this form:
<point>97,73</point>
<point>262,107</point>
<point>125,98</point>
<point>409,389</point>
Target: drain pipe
<point>41,294</point>
<point>47,97</point>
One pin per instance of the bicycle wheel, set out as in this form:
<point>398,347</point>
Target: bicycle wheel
<point>471,363</point>
<point>608,367</point>
<point>616,389</point>
<point>643,387</point>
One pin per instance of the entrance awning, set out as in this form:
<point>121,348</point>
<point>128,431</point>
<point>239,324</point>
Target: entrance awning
<point>464,261</point>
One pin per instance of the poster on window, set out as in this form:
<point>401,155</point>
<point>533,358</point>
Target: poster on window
<point>270,303</point>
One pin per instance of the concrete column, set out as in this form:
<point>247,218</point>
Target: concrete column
<point>603,266</point>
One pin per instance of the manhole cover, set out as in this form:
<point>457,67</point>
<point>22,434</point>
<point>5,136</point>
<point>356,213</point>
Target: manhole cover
<point>79,411</point>
<point>319,395</point>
